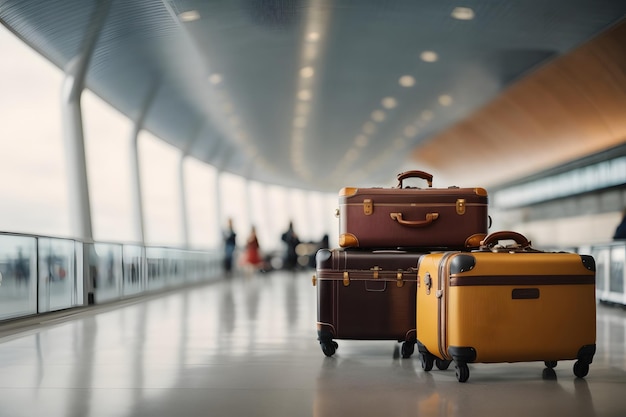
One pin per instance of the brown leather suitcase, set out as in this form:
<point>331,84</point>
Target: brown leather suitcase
<point>366,295</point>
<point>451,218</point>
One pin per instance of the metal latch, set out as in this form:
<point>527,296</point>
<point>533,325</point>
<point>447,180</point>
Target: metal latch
<point>314,280</point>
<point>375,269</point>
<point>460,206</point>
<point>368,206</point>
<point>399,281</point>
<point>428,282</point>
<point>346,279</point>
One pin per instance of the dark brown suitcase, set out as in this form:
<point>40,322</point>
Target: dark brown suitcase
<point>366,295</point>
<point>451,218</point>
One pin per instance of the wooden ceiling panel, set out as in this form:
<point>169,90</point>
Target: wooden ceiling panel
<point>570,108</point>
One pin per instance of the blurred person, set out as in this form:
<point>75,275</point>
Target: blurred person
<point>292,241</point>
<point>252,255</point>
<point>620,231</point>
<point>22,272</point>
<point>230,244</point>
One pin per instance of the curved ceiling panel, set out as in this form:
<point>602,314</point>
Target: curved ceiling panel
<point>565,110</point>
<point>318,94</point>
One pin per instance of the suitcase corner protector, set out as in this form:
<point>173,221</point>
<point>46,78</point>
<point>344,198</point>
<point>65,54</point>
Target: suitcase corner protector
<point>348,240</point>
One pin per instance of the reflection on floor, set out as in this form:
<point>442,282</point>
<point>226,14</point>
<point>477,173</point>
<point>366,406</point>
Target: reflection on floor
<point>247,347</point>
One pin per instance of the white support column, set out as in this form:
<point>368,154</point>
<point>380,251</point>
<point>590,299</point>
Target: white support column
<point>138,219</point>
<point>73,85</point>
<point>183,201</point>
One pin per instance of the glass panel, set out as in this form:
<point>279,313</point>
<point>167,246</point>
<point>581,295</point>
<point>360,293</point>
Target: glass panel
<point>601,256</point>
<point>616,280</point>
<point>57,277</point>
<point>18,268</point>
<point>156,268</point>
<point>133,270</point>
<point>107,260</point>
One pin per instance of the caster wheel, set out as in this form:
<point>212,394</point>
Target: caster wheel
<point>427,361</point>
<point>581,369</point>
<point>441,364</point>
<point>329,348</point>
<point>407,349</point>
<point>548,374</point>
<point>462,372</point>
<point>550,364</point>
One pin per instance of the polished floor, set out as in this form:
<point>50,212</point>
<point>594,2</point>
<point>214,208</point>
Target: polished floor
<point>247,347</point>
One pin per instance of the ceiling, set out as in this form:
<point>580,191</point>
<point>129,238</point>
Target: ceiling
<point>315,94</point>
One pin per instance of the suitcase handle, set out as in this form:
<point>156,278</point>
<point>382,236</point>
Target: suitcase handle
<point>430,217</point>
<point>415,174</point>
<point>493,238</point>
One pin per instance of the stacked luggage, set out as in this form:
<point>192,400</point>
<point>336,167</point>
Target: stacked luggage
<point>418,266</point>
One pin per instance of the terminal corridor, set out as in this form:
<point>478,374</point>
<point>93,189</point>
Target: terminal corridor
<point>247,346</point>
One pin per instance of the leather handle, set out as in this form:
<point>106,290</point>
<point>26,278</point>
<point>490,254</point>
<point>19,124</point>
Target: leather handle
<point>494,237</point>
<point>430,217</point>
<point>415,174</point>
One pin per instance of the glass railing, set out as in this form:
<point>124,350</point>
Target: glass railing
<point>610,272</point>
<point>42,274</point>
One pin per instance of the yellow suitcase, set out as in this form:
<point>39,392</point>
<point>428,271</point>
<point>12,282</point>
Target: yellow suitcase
<point>505,304</point>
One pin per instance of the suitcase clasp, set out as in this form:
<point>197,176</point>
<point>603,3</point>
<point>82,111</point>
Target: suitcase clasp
<point>314,280</point>
<point>368,207</point>
<point>460,206</point>
<point>346,279</point>
<point>428,282</point>
<point>375,269</point>
<point>399,281</point>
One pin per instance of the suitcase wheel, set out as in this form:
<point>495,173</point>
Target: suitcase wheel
<point>441,364</point>
<point>581,369</point>
<point>329,347</point>
<point>462,372</point>
<point>426,360</point>
<point>550,364</point>
<point>407,349</point>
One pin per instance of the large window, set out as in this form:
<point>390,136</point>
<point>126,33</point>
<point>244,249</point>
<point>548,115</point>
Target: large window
<point>159,168</point>
<point>203,222</point>
<point>107,148</point>
<point>32,158</point>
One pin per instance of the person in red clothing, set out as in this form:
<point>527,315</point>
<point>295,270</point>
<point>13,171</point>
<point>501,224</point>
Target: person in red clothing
<point>252,255</point>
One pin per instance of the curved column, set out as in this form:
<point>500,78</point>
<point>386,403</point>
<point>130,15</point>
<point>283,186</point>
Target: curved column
<point>78,191</point>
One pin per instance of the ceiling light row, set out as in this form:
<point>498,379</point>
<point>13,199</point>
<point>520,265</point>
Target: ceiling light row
<point>407,81</point>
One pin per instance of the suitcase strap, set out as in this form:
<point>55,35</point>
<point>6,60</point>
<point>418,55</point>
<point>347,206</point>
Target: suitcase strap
<point>375,274</point>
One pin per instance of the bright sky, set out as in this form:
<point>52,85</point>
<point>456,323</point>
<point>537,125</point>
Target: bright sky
<point>34,187</point>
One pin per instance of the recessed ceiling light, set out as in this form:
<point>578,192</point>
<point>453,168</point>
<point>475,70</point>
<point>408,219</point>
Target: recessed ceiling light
<point>445,100</point>
<point>189,16</point>
<point>369,128</point>
<point>352,155</point>
<point>304,95</point>
<point>313,36</point>
<point>406,81</point>
<point>300,122</point>
<point>399,143</point>
<point>361,141</point>
<point>389,102</point>
<point>302,108</point>
<point>215,79</point>
<point>463,13</point>
<point>429,56</point>
<point>410,131</point>
<point>378,115</point>
<point>307,72</point>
